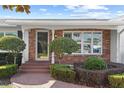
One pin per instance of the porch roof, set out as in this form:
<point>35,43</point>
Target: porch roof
<point>53,22</point>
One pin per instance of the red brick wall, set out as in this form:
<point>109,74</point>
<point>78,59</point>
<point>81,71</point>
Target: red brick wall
<point>81,58</point>
<point>70,58</point>
<point>58,33</point>
<point>106,44</point>
<point>32,41</point>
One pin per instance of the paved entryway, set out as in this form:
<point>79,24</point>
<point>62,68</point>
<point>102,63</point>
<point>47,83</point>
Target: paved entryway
<point>35,80</point>
<point>31,78</point>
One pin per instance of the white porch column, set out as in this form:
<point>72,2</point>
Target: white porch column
<point>53,56</point>
<point>23,53</point>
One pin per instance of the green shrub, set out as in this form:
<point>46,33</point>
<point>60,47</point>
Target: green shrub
<point>63,45</point>
<point>6,58</point>
<point>7,70</point>
<point>116,81</point>
<point>62,72</point>
<point>13,45</point>
<point>95,63</point>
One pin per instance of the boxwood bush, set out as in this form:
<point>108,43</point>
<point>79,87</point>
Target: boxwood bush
<point>62,72</point>
<point>7,70</point>
<point>13,45</point>
<point>6,58</point>
<point>116,81</point>
<point>95,63</point>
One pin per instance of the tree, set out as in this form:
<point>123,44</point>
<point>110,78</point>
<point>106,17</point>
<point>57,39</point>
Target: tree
<point>13,45</point>
<point>18,8</point>
<point>63,45</point>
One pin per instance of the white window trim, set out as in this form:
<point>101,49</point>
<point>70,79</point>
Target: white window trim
<point>36,55</point>
<point>83,43</point>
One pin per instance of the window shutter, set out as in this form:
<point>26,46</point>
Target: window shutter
<point>20,34</point>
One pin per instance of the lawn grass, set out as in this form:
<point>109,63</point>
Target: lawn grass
<point>7,86</point>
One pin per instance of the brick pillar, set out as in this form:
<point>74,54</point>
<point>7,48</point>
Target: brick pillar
<point>32,45</point>
<point>106,45</point>
<point>58,33</point>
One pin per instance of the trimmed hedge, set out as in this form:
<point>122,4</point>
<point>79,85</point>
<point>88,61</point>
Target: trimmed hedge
<point>62,72</point>
<point>7,70</point>
<point>96,78</point>
<point>116,81</point>
<point>6,58</point>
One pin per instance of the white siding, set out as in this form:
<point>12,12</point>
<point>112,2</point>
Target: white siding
<point>113,50</point>
<point>122,47</point>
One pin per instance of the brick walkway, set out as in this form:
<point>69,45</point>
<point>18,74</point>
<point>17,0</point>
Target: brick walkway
<point>31,78</point>
<point>28,80</point>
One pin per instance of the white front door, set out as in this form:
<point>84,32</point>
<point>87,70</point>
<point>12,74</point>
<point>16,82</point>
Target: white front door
<point>42,49</point>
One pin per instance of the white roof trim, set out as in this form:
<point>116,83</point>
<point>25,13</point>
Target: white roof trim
<point>59,22</point>
<point>120,18</point>
<point>69,27</point>
<point>64,22</point>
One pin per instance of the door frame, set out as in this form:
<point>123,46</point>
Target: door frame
<point>36,47</point>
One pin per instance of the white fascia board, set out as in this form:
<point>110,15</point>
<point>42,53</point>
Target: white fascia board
<point>7,25</point>
<point>64,22</point>
<point>49,27</point>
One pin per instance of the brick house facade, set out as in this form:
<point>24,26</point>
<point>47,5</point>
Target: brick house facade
<point>71,58</point>
<point>96,37</point>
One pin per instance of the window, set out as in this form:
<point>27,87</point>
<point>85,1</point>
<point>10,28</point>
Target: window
<point>1,34</point>
<point>97,42</point>
<point>11,33</point>
<point>8,34</point>
<point>77,37</point>
<point>87,37</point>
<point>90,42</point>
<point>68,35</point>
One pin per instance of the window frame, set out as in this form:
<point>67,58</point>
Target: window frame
<point>101,42</point>
<point>82,44</point>
<point>5,33</point>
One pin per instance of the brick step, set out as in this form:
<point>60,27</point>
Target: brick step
<point>34,67</point>
<point>36,64</point>
<point>34,70</point>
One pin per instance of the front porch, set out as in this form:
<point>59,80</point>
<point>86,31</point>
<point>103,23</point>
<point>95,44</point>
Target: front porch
<point>110,44</point>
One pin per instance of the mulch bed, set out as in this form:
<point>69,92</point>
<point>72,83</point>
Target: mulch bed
<point>5,81</point>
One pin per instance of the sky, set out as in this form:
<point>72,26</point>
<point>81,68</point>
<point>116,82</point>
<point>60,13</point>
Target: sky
<point>67,12</point>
